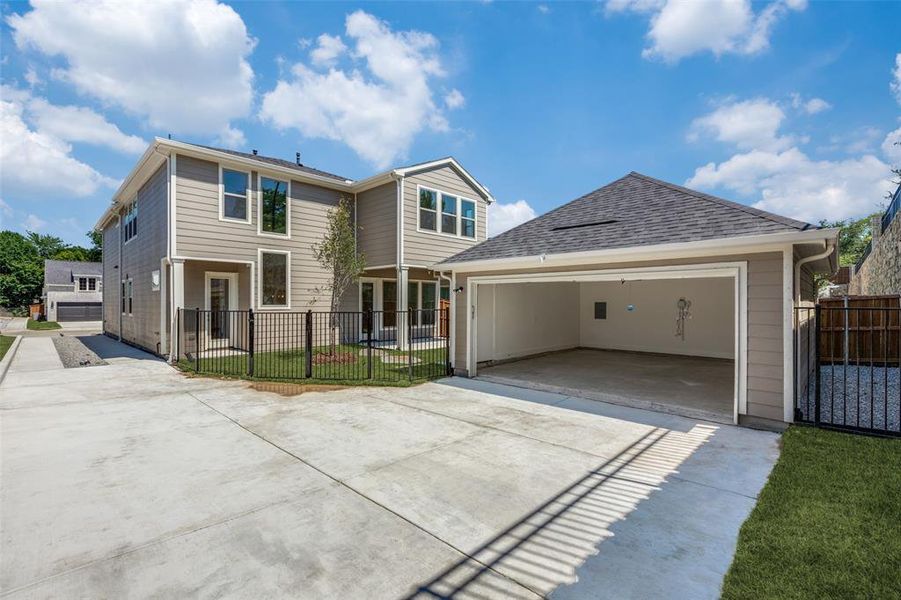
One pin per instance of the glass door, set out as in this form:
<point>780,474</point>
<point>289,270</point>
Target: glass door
<point>219,295</point>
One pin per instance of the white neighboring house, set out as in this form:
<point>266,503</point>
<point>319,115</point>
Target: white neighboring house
<point>73,291</point>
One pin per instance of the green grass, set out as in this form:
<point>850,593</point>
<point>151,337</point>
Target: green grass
<point>290,365</point>
<point>41,325</point>
<point>827,524</point>
<point>5,342</point>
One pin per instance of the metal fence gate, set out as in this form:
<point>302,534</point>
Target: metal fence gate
<point>336,346</point>
<point>848,367</point>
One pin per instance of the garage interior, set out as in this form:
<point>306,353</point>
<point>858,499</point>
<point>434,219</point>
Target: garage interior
<point>662,344</point>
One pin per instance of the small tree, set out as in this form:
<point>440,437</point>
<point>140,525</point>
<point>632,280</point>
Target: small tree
<point>337,254</point>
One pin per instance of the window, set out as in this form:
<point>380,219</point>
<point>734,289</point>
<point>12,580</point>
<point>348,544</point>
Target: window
<point>421,302</point>
<point>131,221</point>
<point>467,218</point>
<point>448,214</point>
<point>235,197</point>
<point>92,284</point>
<point>273,206</point>
<point>413,301</point>
<point>82,284</point>
<point>428,209</point>
<point>127,297</point>
<point>122,297</point>
<point>155,280</point>
<point>428,303</point>
<point>274,284</point>
<point>389,303</point>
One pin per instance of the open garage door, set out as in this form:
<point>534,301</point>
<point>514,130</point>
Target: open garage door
<point>664,340</point>
<point>79,311</point>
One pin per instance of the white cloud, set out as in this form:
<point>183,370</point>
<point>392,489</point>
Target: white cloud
<point>891,147</point>
<point>231,137</point>
<point>502,217</point>
<point>80,124</point>
<point>816,105</point>
<point>544,9</point>
<point>454,99</point>
<point>181,64</point>
<point>895,85</point>
<point>33,223</point>
<point>38,163</point>
<point>680,28</point>
<point>32,77</point>
<point>747,124</point>
<point>377,105</point>
<point>328,49</point>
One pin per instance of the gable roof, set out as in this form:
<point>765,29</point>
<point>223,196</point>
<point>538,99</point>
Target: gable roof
<point>635,210</point>
<point>60,272</point>
<point>278,162</point>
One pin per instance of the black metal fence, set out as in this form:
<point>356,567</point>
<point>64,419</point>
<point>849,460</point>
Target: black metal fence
<point>847,366</point>
<point>336,346</point>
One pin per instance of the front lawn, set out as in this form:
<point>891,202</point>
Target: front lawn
<point>348,366</point>
<point>41,325</point>
<point>5,343</point>
<point>827,524</point>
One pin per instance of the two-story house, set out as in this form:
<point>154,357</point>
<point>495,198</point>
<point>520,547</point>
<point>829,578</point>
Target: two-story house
<point>200,227</point>
<point>73,290</point>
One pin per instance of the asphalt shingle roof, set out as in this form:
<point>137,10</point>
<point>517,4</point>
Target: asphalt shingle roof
<point>59,272</point>
<point>277,162</point>
<point>635,210</point>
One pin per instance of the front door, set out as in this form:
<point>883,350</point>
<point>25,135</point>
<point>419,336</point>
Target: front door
<point>221,298</point>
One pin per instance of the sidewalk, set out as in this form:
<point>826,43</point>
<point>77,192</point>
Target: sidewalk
<point>35,354</point>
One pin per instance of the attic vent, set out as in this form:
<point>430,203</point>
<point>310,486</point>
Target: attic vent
<point>580,225</point>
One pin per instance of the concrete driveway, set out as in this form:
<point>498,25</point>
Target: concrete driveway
<point>131,480</point>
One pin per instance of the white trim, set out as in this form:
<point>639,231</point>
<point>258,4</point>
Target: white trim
<point>439,213</point>
<point>400,222</point>
<point>260,252</point>
<point>372,268</point>
<point>260,232</point>
<point>773,242</point>
<point>737,270</point>
<point>449,161</point>
<point>173,219</point>
<point>788,303</point>
<point>247,196</point>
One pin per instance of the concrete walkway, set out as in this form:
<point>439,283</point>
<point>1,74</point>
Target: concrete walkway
<point>35,354</point>
<point>130,481</point>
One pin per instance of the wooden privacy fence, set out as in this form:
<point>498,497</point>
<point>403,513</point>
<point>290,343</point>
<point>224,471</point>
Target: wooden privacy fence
<point>861,328</point>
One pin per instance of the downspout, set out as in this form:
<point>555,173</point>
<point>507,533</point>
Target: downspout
<point>121,269</point>
<point>165,325</point>
<point>830,247</point>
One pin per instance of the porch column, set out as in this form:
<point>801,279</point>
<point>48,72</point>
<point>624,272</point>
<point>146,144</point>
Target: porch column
<point>403,278</point>
<point>178,301</point>
<point>164,304</point>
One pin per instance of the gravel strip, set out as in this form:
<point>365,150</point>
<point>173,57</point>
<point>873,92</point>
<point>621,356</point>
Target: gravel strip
<point>73,353</point>
<point>858,396</point>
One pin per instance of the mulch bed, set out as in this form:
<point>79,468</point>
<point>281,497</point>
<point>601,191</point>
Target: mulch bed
<point>338,358</point>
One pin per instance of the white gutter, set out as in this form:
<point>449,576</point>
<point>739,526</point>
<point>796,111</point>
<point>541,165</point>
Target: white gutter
<point>121,270</point>
<point>680,249</point>
<point>830,248</point>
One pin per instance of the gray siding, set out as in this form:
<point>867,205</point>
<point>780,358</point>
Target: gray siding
<point>765,358</point>
<point>201,235</point>
<point>427,248</point>
<point>377,224</point>
<point>140,256</point>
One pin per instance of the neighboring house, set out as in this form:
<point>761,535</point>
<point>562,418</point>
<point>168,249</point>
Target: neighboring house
<point>878,272</point>
<point>73,291</point>
<point>200,227</point>
<point>616,269</point>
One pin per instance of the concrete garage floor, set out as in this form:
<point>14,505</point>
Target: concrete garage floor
<point>130,480</point>
<point>697,387</point>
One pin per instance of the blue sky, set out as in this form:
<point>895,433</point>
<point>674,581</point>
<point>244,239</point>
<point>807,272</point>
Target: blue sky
<point>790,106</point>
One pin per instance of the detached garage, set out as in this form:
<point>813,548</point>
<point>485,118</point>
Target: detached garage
<point>643,293</point>
<point>79,311</point>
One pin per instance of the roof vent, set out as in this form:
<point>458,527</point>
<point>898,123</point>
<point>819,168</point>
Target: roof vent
<point>254,151</point>
<point>580,225</point>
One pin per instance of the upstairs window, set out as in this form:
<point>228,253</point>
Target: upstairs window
<point>273,206</point>
<point>87,284</point>
<point>467,218</point>
<point>448,214</point>
<point>130,221</point>
<point>428,209</point>
<point>92,284</point>
<point>235,201</point>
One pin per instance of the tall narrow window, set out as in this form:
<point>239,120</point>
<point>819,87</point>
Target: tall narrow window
<point>274,279</point>
<point>413,301</point>
<point>428,303</point>
<point>82,284</point>
<point>389,303</point>
<point>428,209</point>
<point>130,296</point>
<point>448,214</point>
<point>234,195</point>
<point>92,284</point>
<point>122,293</point>
<point>467,218</point>
<point>274,206</point>
<point>131,221</point>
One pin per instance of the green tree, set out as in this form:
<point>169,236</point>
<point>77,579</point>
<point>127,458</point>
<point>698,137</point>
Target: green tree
<point>46,246</point>
<point>21,271</point>
<point>95,252</point>
<point>853,239</point>
<point>337,254</point>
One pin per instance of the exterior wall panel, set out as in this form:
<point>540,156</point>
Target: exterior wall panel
<point>377,224</point>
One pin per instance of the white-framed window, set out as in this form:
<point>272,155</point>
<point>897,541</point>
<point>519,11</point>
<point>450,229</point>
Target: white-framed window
<point>127,297</point>
<point>421,300</point>
<point>234,195</point>
<point>92,284</point>
<point>130,221</point>
<point>275,278</point>
<point>444,213</point>
<point>82,284</point>
<point>274,208</point>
